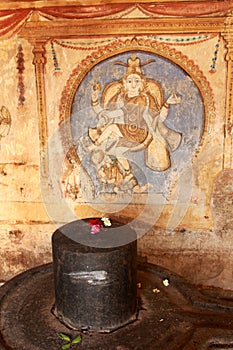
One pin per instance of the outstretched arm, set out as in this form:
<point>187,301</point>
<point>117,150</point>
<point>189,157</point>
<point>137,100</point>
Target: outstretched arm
<point>172,100</point>
<point>103,114</point>
<point>95,101</point>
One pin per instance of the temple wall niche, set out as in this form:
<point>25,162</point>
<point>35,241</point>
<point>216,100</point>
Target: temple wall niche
<point>183,232</point>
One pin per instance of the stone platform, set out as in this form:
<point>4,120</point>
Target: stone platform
<point>172,315</point>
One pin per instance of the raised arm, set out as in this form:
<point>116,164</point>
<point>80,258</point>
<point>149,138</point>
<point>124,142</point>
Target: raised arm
<point>172,99</point>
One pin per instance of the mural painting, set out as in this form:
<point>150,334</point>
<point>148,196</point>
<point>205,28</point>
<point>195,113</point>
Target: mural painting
<point>136,121</point>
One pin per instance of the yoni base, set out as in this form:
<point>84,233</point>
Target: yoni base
<point>173,316</point>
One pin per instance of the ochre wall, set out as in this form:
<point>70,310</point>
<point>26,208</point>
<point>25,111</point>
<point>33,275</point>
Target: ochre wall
<point>196,243</point>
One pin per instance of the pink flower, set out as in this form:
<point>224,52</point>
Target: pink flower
<point>95,229</point>
<point>96,225</point>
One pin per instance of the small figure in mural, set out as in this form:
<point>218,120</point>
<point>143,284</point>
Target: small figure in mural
<point>5,122</point>
<point>115,174</point>
<point>131,118</point>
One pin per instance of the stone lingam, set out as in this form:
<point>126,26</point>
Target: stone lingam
<point>97,291</point>
<point>95,274</point>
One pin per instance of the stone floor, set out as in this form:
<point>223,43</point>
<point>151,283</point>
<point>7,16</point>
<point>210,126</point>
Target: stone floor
<point>172,315</point>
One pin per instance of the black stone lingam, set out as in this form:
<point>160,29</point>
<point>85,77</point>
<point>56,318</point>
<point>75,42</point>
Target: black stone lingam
<point>95,276</point>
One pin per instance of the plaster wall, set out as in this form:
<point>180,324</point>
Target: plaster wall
<point>189,236</point>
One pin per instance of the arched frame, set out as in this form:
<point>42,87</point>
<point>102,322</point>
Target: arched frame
<point>141,45</point>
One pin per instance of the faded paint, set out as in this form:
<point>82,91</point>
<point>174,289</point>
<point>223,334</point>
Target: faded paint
<point>191,235</point>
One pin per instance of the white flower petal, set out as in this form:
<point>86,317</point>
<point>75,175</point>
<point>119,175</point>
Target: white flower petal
<point>106,221</point>
<point>166,282</point>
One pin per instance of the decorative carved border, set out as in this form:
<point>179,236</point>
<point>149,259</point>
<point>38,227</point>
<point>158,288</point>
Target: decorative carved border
<point>138,44</point>
<point>128,26</point>
<point>228,128</point>
<point>39,61</point>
